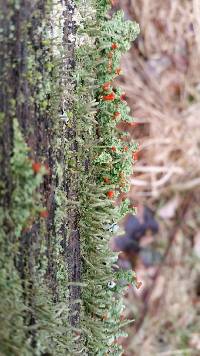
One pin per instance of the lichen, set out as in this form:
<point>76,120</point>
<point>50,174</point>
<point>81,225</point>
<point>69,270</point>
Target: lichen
<point>24,195</point>
<point>101,306</point>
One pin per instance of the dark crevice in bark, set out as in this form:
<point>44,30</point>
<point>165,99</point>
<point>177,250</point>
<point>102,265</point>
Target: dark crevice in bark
<point>73,252</point>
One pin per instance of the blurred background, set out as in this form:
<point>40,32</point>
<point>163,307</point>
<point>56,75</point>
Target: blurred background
<point>161,77</point>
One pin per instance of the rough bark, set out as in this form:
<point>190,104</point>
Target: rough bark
<point>22,38</point>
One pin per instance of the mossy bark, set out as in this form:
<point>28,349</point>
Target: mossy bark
<point>26,76</point>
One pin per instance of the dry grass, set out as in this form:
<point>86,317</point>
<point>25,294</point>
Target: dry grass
<point>162,81</point>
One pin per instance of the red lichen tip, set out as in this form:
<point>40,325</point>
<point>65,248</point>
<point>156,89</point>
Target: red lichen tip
<point>113,148</point>
<point>116,114</point>
<point>109,97</point>
<point>135,156</point>
<point>122,317</point>
<point>44,214</point>
<point>110,194</point>
<point>123,96</point>
<point>36,167</point>
<point>114,46</point>
<point>106,86</point>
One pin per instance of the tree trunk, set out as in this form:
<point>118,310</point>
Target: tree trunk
<point>33,92</point>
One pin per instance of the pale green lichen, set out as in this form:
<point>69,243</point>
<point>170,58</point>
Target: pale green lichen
<point>24,195</point>
<point>101,307</point>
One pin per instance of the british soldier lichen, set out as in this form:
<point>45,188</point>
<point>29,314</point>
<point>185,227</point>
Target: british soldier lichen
<point>100,107</point>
